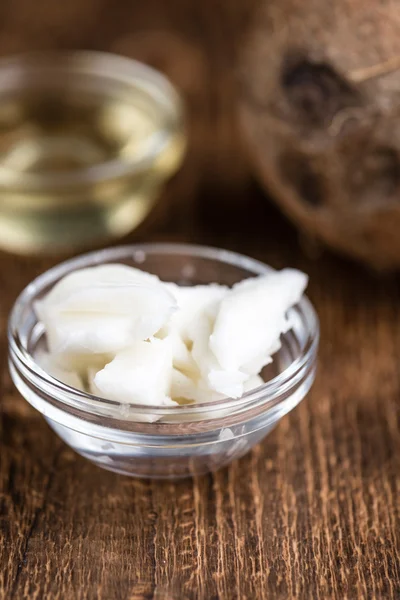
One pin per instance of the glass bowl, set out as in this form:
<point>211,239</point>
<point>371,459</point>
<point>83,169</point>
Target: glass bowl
<point>87,140</point>
<point>187,440</point>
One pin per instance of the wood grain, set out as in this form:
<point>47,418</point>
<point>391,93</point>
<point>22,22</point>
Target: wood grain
<point>312,512</point>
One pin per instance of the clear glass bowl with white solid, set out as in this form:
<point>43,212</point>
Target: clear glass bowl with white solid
<point>179,440</point>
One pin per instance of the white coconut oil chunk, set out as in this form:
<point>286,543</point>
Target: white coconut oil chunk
<point>124,335</point>
<point>252,317</point>
<point>140,374</point>
<point>104,310</point>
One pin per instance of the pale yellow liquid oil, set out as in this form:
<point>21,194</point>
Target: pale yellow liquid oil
<point>76,169</point>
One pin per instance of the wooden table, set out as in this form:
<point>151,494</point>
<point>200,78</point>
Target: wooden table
<point>312,512</point>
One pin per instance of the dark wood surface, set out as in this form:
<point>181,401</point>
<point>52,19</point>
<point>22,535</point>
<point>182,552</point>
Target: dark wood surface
<point>311,513</point>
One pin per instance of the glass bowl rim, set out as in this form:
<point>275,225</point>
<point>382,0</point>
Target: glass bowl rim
<point>97,64</point>
<point>271,393</point>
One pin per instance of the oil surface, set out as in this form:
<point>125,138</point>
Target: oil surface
<point>58,186</point>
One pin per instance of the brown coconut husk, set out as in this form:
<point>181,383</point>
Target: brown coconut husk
<point>320,108</point>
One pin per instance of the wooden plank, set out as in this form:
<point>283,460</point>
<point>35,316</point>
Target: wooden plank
<point>312,512</point>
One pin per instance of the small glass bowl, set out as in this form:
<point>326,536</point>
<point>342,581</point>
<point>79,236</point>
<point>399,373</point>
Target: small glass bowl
<point>187,440</point>
<point>87,140</point>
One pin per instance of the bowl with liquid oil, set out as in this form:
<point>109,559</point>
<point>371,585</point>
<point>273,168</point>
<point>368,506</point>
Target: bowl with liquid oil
<point>87,141</point>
